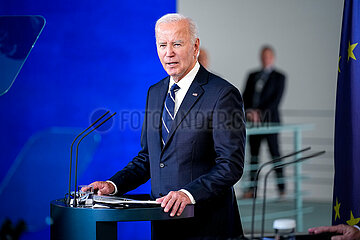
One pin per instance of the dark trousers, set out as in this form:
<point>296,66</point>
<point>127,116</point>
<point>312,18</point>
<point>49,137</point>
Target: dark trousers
<point>273,144</point>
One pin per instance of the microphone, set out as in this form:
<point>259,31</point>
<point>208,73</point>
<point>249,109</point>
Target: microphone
<point>257,179</point>
<point>265,183</point>
<point>77,152</point>
<point>71,150</point>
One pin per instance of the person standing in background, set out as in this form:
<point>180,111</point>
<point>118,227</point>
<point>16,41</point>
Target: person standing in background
<point>262,96</point>
<point>204,58</point>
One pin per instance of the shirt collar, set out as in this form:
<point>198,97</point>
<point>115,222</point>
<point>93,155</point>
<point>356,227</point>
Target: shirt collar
<point>186,81</point>
<point>268,70</point>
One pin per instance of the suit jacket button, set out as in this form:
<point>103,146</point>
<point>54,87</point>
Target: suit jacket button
<point>162,165</point>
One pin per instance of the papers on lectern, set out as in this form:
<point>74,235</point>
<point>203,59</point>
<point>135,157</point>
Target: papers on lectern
<point>118,202</point>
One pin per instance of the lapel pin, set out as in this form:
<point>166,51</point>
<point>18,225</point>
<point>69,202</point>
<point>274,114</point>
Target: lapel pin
<point>195,94</point>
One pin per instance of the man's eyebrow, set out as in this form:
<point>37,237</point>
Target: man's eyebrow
<point>164,42</point>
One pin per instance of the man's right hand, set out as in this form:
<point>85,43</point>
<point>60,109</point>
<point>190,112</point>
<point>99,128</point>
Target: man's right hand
<point>102,188</point>
<point>253,115</point>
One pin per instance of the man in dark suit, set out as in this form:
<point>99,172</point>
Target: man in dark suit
<point>192,142</point>
<point>262,95</point>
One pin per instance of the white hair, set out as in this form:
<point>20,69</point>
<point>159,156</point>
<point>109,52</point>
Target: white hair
<point>176,17</point>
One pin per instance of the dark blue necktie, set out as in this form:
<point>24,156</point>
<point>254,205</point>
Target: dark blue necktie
<point>168,113</point>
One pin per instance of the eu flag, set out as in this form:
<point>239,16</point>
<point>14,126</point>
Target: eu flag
<point>346,199</point>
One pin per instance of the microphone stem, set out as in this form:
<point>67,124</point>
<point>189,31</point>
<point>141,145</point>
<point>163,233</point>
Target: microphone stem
<point>257,179</point>
<point>277,167</point>
<point>77,152</point>
<point>71,153</point>
<point>264,204</point>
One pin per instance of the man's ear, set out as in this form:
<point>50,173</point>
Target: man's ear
<point>197,47</point>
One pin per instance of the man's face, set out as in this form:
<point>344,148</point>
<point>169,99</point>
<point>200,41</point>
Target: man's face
<point>176,51</point>
<point>267,58</point>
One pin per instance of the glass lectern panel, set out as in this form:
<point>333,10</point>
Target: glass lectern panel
<point>40,174</point>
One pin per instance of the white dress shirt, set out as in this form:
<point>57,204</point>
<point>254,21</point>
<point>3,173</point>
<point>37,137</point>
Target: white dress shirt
<point>184,85</point>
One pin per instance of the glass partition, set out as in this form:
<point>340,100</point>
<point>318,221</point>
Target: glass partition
<point>18,35</point>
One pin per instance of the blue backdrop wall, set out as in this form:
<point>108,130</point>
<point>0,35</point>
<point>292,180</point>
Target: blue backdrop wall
<point>91,55</point>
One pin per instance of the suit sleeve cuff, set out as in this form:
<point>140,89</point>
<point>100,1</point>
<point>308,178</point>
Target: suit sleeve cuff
<point>189,195</point>
<point>116,191</point>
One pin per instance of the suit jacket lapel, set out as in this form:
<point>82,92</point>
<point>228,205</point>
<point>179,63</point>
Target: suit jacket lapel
<point>162,93</point>
<point>160,102</point>
<point>192,96</point>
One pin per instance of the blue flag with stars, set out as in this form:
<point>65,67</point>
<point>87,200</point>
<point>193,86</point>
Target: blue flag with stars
<point>346,199</point>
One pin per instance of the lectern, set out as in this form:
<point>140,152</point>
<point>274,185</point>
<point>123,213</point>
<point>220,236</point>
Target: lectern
<point>70,223</point>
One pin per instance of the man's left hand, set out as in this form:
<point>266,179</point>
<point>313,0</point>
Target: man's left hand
<point>176,201</point>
